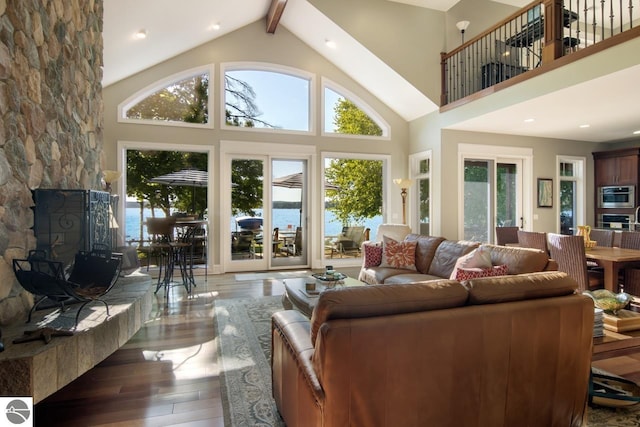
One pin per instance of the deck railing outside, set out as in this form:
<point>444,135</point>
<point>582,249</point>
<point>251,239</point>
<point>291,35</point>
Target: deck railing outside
<point>540,33</point>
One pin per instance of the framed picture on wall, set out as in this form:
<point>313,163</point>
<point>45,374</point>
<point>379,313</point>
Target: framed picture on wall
<point>545,192</point>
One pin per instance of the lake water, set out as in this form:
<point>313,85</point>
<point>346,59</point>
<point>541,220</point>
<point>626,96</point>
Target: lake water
<point>282,218</point>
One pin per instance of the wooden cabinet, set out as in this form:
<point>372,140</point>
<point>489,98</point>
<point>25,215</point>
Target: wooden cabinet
<point>616,167</point>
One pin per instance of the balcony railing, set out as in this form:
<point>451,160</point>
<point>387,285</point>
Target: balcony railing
<point>538,34</point>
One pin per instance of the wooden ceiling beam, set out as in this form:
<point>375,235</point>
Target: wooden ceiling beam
<point>274,14</point>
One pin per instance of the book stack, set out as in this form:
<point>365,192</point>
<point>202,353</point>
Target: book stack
<point>598,322</point>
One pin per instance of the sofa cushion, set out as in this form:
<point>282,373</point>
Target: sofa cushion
<point>378,275</point>
<point>543,284</point>
<point>447,255</point>
<point>520,260</point>
<point>372,254</point>
<point>404,278</point>
<point>475,272</point>
<point>477,258</point>
<point>398,254</point>
<point>380,300</point>
<point>425,250</point>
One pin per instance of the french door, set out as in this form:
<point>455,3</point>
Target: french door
<point>493,196</point>
<point>266,212</point>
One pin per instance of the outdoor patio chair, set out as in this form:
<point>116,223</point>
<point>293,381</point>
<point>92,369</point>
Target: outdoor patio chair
<point>350,240</point>
<point>294,247</point>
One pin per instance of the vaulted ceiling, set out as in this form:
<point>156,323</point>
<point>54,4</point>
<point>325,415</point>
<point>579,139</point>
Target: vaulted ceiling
<point>196,22</point>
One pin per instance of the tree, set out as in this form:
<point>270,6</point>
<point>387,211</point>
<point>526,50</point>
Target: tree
<point>183,101</point>
<point>359,181</point>
<point>352,120</point>
<point>247,183</point>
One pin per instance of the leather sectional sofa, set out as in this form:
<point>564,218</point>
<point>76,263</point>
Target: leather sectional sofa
<point>436,257</point>
<point>496,351</point>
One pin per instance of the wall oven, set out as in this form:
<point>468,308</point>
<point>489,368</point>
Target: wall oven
<point>616,197</point>
<point>616,221</point>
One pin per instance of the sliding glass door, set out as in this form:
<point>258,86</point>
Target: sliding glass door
<point>492,196</point>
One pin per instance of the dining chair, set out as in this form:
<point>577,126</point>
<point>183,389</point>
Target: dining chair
<point>602,237</point>
<point>276,242</point>
<point>294,247</point>
<point>569,253</point>
<point>533,239</point>
<point>506,235</point>
<point>631,276</point>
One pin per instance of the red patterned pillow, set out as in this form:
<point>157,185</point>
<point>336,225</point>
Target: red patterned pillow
<point>398,254</point>
<point>372,255</point>
<point>474,273</point>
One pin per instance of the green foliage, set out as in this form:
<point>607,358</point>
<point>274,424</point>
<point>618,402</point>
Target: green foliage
<point>359,181</point>
<point>247,184</point>
<point>183,101</point>
<point>360,193</point>
<point>350,119</point>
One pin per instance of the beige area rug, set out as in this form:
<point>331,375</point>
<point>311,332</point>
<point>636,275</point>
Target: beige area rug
<point>243,331</point>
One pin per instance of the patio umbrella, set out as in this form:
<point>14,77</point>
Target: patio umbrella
<point>186,178</point>
<point>295,181</point>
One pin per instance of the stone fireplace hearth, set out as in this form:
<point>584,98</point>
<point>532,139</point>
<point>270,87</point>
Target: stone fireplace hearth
<point>35,368</point>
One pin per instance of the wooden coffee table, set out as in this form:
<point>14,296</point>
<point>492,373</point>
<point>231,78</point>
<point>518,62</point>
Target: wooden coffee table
<point>614,344</point>
<point>295,296</point>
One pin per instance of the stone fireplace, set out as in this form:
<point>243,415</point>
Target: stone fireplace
<point>51,119</point>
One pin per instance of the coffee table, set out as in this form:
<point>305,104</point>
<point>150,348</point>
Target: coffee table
<point>296,297</point>
<point>614,344</point>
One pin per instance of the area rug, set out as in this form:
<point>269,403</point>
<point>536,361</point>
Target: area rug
<point>243,328</point>
<point>243,331</point>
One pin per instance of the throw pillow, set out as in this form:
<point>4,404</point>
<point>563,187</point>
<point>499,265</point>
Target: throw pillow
<point>398,254</point>
<point>372,254</point>
<point>478,258</point>
<point>474,273</point>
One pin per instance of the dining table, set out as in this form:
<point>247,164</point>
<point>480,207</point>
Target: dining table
<point>612,260</point>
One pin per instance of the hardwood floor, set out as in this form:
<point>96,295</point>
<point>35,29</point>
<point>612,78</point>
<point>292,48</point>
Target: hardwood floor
<point>167,374</point>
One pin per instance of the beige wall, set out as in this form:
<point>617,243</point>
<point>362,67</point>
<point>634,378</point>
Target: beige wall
<point>251,43</point>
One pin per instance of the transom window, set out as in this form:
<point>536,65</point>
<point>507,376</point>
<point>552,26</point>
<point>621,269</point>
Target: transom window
<point>181,98</point>
<point>345,114</point>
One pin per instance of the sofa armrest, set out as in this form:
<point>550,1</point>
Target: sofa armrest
<point>296,388</point>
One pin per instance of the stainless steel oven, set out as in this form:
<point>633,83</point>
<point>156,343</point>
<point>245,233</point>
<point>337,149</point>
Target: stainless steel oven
<point>617,197</point>
<point>616,221</point>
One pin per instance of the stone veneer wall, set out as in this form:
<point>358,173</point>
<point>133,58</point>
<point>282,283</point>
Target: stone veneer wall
<point>51,119</point>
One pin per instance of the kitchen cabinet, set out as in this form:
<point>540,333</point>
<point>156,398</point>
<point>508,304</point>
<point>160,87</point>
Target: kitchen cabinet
<point>616,167</point>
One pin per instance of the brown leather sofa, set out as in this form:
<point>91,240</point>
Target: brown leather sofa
<point>498,351</point>
<point>436,258</point>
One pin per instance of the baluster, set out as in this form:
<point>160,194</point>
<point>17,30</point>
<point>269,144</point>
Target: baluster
<point>630,14</point>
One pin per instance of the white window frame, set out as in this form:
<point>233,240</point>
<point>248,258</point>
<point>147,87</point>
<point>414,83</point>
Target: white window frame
<point>579,164</point>
<point>414,192</point>
<point>149,90</point>
<point>273,68</point>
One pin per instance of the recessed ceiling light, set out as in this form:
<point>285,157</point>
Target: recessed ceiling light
<point>215,27</point>
<point>530,120</point>
<point>637,132</point>
<point>584,126</point>
<point>142,34</point>
<point>330,44</point>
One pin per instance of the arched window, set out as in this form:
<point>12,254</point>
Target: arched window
<point>180,100</point>
<point>346,114</point>
<point>267,97</point>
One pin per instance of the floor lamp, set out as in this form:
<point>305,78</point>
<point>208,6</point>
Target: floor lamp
<point>404,184</point>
